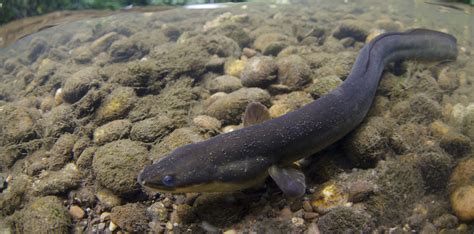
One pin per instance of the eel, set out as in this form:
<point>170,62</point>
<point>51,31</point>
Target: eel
<point>245,158</point>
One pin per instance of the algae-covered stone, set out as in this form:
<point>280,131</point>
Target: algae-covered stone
<point>79,84</point>
<point>455,144</point>
<point>462,202</point>
<point>177,138</point>
<point>216,44</point>
<point>84,161</point>
<point>130,217</point>
<point>59,120</point>
<point>112,131</point>
<point>208,207</point>
<point>323,86</point>
<point>259,72</point>
<point>150,129</point>
<point>45,214</point>
<point>463,174</point>
<point>367,144</point>
<point>229,108</point>
<point>425,107</point>
<point>116,104</point>
<point>400,185</point>
<point>293,71</point>
<point>118,163</point>
<point>346,219</point>
<point>108,199</point>
<point>352,28</point>
<point>435,168</point>
<point>286,103</point>
<point>224,84</point>
<point>14,195</point>
<point>102,43</point>
<point>125,49</point>
<point>58,182</point>
<point>234,67</point>
<point>18,123</point>
<point>272,43</point>
<point>207,123</point>
<point>61,153</point>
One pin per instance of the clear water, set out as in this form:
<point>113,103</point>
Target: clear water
<point>33,69</point>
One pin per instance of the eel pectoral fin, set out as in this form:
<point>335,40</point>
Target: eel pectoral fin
<point>289,179</point>
<point>255,113</point>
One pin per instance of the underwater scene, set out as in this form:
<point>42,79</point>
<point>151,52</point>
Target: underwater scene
<point>344,116</point>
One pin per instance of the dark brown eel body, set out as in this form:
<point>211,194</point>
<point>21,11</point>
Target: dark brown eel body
<point>241,159</point>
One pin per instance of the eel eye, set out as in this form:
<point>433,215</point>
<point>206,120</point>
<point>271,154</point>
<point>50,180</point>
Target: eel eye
<point>168,181</point>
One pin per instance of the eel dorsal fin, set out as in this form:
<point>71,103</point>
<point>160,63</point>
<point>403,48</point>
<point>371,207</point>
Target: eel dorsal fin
<point>255,113</point>
<point>289,179</point>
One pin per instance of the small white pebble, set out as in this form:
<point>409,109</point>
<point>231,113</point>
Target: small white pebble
<point>297,221</point>
<point>9,178</point>
<point>112,226</point>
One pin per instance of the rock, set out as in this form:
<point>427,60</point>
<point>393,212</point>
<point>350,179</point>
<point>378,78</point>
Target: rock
<point>76,212</point>
<point>424,107</point>
<point>207,207</point>
<point>293,71</point>
<point>37,47</point>
<point>46,214</point>
<point>84,161</point>
<point>102,43</point>
<point>59,120</point>
<point>289,102</point>
<point>225,83</point>
<point>323,86</point>
<point>463,174</point>
<point>58,182</point>
<point>448,80</point>
<point>215,64</point>
<point>219,45</point>
<point>345,219</point>
<point>234,31</point>
<point>85,196</point>
<point>183,214</point>
<point>328,197</point>
<point>229,108</point>
<point>207,123</point>
<point>360,190</point>
<point>468,122</point>
<point>352,28</point>
<point>13,197</point>
<point>446,221</point>
<point>177,138</point>
<point>130,217</point>
<point>61,153</point>
<point>151,129</point>
<point>118,163</point>
<point>272,43</point>
<point>116,104</point>
<point>47,103</point>
<point>79,84</point>
<point>259,72</point>
<point>234,67</point>
<point>125,50</point>
<point>158,211</point>
<point>367,144</point>
<point>455,144</point>
<point>115,130</point>
<point>249,53</point>
<point>435,168</point>
<point>18,124</point>
<point>108,199</point>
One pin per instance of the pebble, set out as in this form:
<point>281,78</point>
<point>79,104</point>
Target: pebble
<point>297,221</point>
<point>307,206</point>
<point>101,226</point>
<point>76,212</point>
<point>112,226</point>
<point>230,231</point>
<point>259,72</point>
<point>108,199</point>
<point>105,216</point>
<point>310,215</point>
<point>462,202</point>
